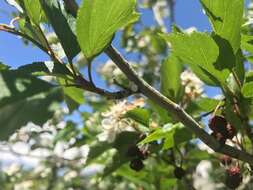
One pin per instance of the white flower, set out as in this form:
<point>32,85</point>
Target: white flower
<point>25,185</point>
<point>202,178</point>
<point>144,41</point>
<point>113,123</point>
<point>45,172</point>
<point>70,175</point>
<point>60,148</point>
<point>12,169</point>
<point>161,10</point>
<point>193,85</point>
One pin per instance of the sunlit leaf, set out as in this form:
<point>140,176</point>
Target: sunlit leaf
<point>34,11</point>
<point>170,77</point>
<point>140,115</point>
<point>201,52</point>
<point>98,20</point>
<point>226,17</point>
<point>63,25</point>
<point>247,90</point>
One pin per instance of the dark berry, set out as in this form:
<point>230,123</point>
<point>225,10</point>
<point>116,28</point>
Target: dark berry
<point>136,164</point>
<point>226,160</point>
<point>218,124</point>
<point>231,131</point>
<point>234,177</point>
<point>179,172</point>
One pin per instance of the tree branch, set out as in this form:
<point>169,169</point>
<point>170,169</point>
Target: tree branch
<point>167,104</point>
<point>47,50</point>
<point>86,85</point>
<point>175,109</point>
<point>11,30</point>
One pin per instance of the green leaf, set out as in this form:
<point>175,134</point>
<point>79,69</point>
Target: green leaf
<point>226,58</point>
<point>16,86</point>
<point>173,134</point>
<point>63,25</point>
<point>140,115</point>
<point>32,31</point>
<point>34,11</point>
<point>24,98</point>
<point>239,68</point>
<point>125,139</point>
<point>249,76</point>
<point>158,134</point>
<point>75,94</point>
<point>37,109</point>
<point>202,105</point>
<point>121,143</point>
<point>161,112</point>
<point>226,17</point>
<point>47,67</point>
<point>170,77</point>
<point>134,177</point>
<point>247,43</point>
<point>169,140</point>
<point>3,67</point>
<point>116,162</point>
<point>231,116</point>
<point>207,104</point>
<point>247,90</point>
<point>201,52</point>
<point>98,20</point>
<point>96,149</point>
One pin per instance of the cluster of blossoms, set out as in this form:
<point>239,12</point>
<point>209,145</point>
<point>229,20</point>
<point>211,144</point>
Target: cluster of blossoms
<point>194,87</point>
<point>161,10</point>
<point>113,122</point>
<point>109,69</point>
<point>39,143</point>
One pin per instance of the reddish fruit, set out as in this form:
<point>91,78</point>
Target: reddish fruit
<point>136,164</point>
<point>226,160</point>
<point>234,177</point>
<point>218,124</point>
<point>179,172</point>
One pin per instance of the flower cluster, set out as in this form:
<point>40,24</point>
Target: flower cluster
<point>161,10</point>
<point>113,123</point>
<point>192,84</point>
